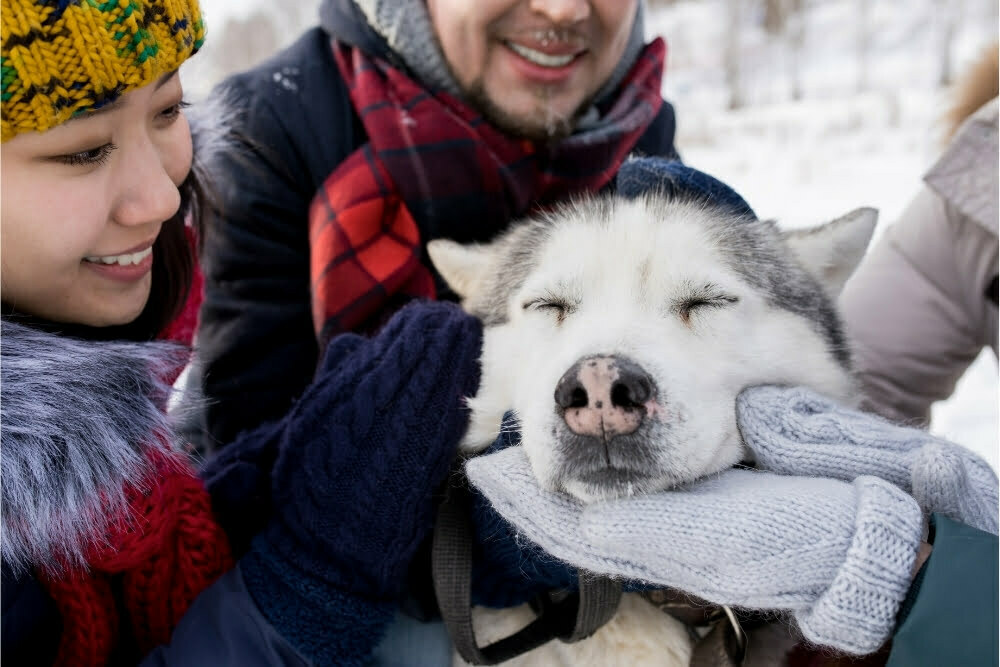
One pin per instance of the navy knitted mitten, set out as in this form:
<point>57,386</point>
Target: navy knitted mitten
<point>238,479</point>
<point>352,488</point>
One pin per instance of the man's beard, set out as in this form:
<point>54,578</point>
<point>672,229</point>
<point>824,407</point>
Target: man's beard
<point>542,128</point>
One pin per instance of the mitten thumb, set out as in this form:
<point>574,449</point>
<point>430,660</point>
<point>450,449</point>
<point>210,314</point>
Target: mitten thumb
<point>857,612</point>
<point>795,431</point>
<point>957,484</point>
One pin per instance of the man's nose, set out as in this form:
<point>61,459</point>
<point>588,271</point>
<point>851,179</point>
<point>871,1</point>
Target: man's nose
<point>562,11</point>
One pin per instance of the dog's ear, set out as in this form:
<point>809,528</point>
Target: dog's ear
<point>832,251</point>
<point>461,266</point>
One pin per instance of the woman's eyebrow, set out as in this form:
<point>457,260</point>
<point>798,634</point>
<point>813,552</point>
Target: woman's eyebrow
<point>111,106</point>
<point>163,79</point>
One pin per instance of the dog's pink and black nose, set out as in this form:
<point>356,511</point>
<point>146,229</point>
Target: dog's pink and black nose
<point>604,397</point>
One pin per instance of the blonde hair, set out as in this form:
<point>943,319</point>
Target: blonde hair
<point>977,86</point>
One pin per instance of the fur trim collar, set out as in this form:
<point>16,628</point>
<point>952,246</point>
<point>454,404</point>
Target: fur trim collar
<point>79,418</point>
<point>966,174</point>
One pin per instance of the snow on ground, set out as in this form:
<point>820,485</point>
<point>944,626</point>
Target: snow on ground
<point>800,162</point>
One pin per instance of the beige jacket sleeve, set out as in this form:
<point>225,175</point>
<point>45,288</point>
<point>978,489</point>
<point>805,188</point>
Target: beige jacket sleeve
<point>917,309</point>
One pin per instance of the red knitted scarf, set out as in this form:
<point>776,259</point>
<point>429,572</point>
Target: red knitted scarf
<point>434,165</point>
<point>163,555</point>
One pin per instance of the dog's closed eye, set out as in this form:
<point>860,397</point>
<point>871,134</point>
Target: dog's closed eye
<point>558,307</point>
<point>702,299</point>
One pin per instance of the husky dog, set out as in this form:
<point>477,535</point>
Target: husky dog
<point>621,331</point>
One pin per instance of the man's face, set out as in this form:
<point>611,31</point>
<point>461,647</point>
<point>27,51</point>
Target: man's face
<point>532,66</point>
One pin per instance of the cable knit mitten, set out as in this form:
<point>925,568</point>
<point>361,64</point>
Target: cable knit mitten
<point>838,556</point>
<point>238,479</point>
<point>353,484</point>
<point>795,431</point>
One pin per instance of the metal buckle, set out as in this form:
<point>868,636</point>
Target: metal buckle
<point>739,651</point>
<point>735,639</point>
<point>702,619</point>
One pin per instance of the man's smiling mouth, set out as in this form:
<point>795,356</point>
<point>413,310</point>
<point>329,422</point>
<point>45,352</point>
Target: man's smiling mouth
<point>542,59</point>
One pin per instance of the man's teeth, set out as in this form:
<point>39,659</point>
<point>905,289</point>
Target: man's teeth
<point>122,260</point>
<point>539,58</point>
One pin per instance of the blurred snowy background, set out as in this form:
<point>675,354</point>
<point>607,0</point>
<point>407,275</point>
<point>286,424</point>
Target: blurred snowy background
<point>809,108</point>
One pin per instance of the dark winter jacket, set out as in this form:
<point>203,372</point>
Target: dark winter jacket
<point>222,627</point>
<point>257,348</point>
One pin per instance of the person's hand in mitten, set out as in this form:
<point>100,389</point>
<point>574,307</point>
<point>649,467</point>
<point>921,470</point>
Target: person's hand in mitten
<point>836,556</point>
<point>795,431</point>
<point>352,490</point>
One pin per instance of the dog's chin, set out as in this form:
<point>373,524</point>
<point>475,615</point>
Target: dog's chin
<point>612,483</point>
<point>653,458</point>
<point>592,469</point>
<point>593,482</point>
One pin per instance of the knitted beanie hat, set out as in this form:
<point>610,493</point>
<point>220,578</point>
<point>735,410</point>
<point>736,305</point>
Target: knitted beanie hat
<point>63,58</point>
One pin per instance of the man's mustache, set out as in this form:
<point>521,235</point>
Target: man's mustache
<point>574,35</point>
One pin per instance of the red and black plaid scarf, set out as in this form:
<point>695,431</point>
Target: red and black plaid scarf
<point>433,163</point>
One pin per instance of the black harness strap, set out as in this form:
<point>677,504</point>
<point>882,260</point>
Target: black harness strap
<point>596,605</point>
<point>570,619</point>
<point>992,290</point>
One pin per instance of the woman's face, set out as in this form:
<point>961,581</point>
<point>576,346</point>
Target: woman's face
<point>81,204</point>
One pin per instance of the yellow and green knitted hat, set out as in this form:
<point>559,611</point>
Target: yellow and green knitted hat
<point>63,58</point>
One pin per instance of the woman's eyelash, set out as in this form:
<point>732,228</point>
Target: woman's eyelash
<point>91,156</point>
<point>100,155</point>
<point>174,110</point>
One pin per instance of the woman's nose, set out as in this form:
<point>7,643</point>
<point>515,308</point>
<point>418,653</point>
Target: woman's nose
<point>148,194</point>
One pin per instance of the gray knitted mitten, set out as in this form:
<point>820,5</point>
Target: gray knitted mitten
<point>838,556</point>
<point>794,431</point>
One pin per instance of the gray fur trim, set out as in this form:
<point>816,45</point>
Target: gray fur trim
<point>77,418</point>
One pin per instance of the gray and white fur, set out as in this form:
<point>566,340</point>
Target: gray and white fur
<point>690,301</point>
<point>77,418</point>
<point>621,333</point>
